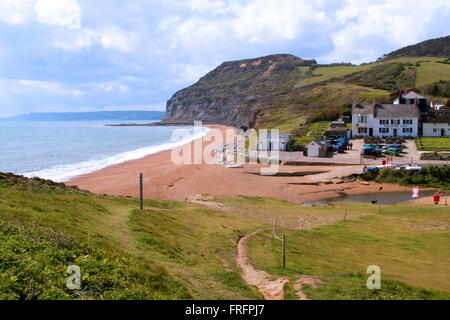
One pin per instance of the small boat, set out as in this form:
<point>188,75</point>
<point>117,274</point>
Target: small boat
<point>374,169</point>
<point>235,166</point>
<point>413,168</point>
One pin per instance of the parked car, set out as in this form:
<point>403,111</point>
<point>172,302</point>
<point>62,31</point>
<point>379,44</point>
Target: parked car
<point>397,146</point>
<point>343,141</point>
<point>371,151</point>
<point>391,151</point>
<point>338,147</point>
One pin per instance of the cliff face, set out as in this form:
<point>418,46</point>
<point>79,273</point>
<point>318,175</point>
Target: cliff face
<point>283,91</point>
<point>235,92</point>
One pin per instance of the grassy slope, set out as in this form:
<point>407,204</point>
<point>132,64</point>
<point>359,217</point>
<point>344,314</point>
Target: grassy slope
<point>429,72</point>
<point>179,250</point>
<point>335,85</point>
<point>159,251</point>
<point>411,245</point>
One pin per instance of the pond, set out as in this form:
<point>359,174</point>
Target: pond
<point>379,197</point>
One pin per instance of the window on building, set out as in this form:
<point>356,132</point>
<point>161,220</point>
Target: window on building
<point>395,121</point>
<point>384,130</point>
<point>362,130</point>
<point>362,119</point>
<point>384,121</point>
<point>407,121</point>
<point>434,130</point>
<point>407,130</point>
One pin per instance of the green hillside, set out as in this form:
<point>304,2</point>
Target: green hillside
<point>283,97</point>
<point>177,250</point>
<point>283,91</point>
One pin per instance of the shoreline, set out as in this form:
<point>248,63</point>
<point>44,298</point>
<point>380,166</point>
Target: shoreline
<point>164,180</point>
<point>66,172</point>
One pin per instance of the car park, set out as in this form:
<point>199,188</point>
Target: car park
<point>371,151</point>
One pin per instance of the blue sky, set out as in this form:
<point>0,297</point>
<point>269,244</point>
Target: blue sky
<point>83,55</point>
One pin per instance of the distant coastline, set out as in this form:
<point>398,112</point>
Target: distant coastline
<point>89,116</point>
<point>153,124</point>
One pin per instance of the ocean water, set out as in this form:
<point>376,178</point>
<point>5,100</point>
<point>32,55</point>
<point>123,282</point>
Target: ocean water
<point>63,150</point>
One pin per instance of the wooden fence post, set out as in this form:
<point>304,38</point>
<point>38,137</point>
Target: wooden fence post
<point>284,251</point>
<point>141,192</point>
<point>345,216</point>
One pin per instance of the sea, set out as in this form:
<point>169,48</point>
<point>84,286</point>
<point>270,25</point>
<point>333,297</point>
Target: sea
<point>63,150</point>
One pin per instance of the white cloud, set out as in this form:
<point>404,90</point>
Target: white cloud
<point>15,11</point>
<point>65,13</point>
<point>111,37</point>
<point>188,73</point>
<point>207,6</point>
<point>366,26</point>
<point>81,39</point>
<point>116,38</point>
<point>26,86</point>
<point>257,21</point>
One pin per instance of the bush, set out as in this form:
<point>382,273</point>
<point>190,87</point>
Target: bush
<point>34,260</point>
<point>432,176</point>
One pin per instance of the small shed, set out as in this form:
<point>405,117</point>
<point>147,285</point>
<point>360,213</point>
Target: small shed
<point>268,142</point>
<point>317,148</point>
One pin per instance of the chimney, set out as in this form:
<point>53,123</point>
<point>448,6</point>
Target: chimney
<point>354,104</point>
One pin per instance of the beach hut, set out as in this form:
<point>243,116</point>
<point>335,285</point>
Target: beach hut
<point>317,148</point>
<point>268,142</point>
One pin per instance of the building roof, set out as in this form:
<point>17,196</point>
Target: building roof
<point>281,136</point>
<point>363,109</point>
<point>320,143</point>
<point>396,111</point>
<point>387,111</point>
<point>337,124</point>
<point>337,129</point>
<point>438,117</point>
<point>413,95</point>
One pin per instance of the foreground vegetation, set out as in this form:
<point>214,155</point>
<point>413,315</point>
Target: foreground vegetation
<point>409,244</point>
<point>430,176</point>
<point>175,250</point>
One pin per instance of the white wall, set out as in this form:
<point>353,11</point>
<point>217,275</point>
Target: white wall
<point>428,129</point>
<point>375,124</point>
<point>313,150</point>
<point>399,127</point>
<point>367,125</point>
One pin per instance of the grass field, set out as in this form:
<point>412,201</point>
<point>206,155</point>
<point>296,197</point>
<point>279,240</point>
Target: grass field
<point>434,144</point>
<point>326,73</point>
<point>311,132</point>
<point>429,72</point>
<point>177,250</point>
<point>410,244</point>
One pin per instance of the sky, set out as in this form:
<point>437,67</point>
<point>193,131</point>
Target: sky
<point>84,55</point>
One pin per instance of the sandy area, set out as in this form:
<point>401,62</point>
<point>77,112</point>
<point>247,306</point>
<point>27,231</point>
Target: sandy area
<point>165,180</point>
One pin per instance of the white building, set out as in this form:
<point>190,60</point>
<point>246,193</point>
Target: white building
<point>269,142</point>
<point>385,120</point>
<point>317,148</point>
<point>437,125</point>
<point>437,105</point>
